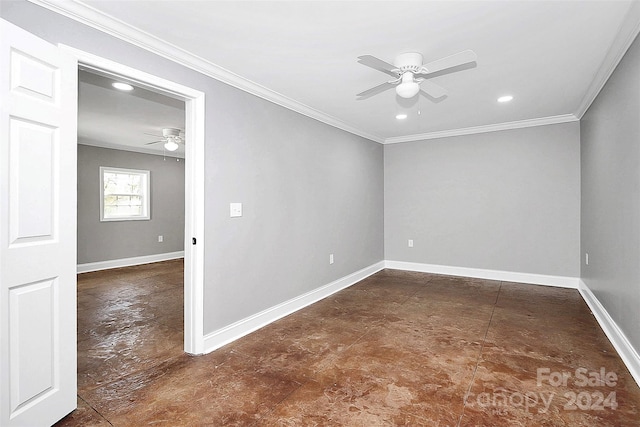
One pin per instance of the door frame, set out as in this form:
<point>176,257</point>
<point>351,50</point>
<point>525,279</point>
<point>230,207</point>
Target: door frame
<point>194,184</point>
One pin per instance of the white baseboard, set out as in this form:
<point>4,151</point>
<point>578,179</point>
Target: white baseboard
<point>217,339</point>
<point>507,276</point>
<point>127,262</point>
<point>252,323</point>
<point>618,339</point>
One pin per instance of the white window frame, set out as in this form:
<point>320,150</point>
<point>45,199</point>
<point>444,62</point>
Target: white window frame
<point>146,196</point>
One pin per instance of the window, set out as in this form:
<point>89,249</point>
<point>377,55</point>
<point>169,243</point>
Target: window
<point>124,194</point>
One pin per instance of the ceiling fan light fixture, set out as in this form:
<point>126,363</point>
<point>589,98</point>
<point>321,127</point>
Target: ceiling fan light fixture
<point>408,88</point>
<point>171,145</point>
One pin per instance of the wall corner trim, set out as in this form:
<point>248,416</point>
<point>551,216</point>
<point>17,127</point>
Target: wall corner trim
<point>628,32</point>
<point>232,332</point>
<point>627,353</point>
<point>128,262</point>
<point>506,276</point>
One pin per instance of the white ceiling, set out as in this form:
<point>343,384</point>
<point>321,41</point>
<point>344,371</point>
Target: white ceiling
<point>552,56</point>
<point>132,120</point>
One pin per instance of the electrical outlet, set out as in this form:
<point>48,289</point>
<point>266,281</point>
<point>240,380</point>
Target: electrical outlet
<point>410,243</point>
<point>330,258</point>
<point>586,258</point>
<point>160,239</point>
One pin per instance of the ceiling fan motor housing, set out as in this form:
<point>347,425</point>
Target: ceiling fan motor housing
<point>170,132</point>
<point>410,61</point>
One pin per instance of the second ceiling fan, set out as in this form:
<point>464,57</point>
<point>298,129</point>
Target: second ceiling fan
<point>409,73</point>
<point>171,137</point>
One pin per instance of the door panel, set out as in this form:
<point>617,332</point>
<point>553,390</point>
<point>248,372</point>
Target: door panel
<point>33,77</point>
<point>32,153</point>
<point>33,342</point>
<point>38,149</point>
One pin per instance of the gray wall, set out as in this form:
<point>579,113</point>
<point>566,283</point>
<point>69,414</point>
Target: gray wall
<point>308,189</point>
<point>610,231</point>
<point>506,200</point>
<point>102,241</point>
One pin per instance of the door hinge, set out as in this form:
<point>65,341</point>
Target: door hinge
<point>193,240</point>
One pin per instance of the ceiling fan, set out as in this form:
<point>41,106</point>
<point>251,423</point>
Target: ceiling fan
<point>409,73</point>
<point>171,137</point>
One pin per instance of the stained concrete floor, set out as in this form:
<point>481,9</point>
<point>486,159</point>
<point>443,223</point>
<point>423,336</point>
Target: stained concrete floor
<point>398,348</point>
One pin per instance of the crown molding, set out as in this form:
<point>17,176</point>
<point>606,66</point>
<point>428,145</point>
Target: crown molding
<point>93,18</point>
<point>629,30</point>
<point>564,118</point>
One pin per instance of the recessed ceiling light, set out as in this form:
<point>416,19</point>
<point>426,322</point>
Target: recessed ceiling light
<point>505,98</point>
<point>401,116</point>
<point>122,86</point>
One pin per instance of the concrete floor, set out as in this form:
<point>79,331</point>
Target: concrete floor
<point>398,348</point>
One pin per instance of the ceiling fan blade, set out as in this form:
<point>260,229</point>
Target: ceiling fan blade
<point>378,64</point>
<point>454,60</point>
<point>375,90</point>
<point>154,142</point>
<point>432,89</point>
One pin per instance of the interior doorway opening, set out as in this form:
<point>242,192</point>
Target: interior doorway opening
<point>130,298</point>
<point>194,102</point>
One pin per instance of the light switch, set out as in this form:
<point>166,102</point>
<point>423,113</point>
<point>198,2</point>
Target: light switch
<point>235,210</point>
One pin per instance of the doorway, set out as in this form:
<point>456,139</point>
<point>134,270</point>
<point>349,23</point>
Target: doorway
<point>130,293</point>
<point>194,182</point>
<point>39,107</point>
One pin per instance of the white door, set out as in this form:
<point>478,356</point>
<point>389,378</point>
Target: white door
<point>38,121</point>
